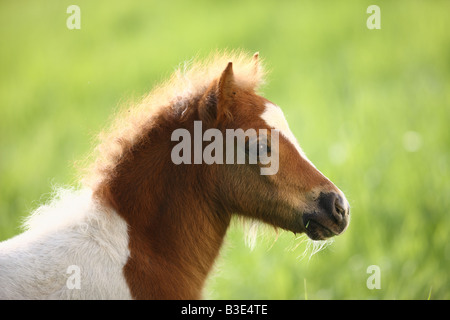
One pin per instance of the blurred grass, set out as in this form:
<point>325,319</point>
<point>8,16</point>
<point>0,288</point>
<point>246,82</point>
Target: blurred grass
<point>370,108</point>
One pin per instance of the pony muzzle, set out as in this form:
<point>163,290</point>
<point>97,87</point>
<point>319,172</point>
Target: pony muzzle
<point>330,218</point>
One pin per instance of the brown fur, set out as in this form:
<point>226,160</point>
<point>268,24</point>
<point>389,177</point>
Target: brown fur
<point>178,215</point>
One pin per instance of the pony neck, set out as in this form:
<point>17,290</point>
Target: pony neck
<point>172,256</point>
<point>175,230</point>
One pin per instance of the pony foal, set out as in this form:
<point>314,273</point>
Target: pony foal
<point>144,227</point>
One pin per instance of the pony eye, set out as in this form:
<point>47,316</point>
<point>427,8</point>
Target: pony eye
<point>257,149</point>
<point>263,149</point>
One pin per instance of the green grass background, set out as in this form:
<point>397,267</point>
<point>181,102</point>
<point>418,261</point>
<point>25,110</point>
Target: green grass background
<point>371,109</point>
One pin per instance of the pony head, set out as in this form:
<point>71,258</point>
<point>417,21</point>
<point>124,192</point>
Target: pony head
<point>294,194</point>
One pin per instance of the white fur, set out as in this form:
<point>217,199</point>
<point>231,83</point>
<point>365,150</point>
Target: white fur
<point>70,233</point>
<point>274,117</point>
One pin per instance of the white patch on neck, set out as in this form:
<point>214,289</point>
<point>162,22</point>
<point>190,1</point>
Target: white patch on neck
<point>71,237</point>
<point>274,117</point>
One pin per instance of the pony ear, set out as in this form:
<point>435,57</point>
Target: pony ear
<point>219,97</point>
<point>226,89</point>
<point>256,62</point>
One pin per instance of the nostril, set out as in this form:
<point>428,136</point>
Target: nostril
<point>335,205</point>
<point>339,207</point>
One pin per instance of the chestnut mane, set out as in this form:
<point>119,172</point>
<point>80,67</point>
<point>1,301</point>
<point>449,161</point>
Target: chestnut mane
<point>190,80</point>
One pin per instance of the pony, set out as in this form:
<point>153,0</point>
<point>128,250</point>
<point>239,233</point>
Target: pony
<point>143,227</point>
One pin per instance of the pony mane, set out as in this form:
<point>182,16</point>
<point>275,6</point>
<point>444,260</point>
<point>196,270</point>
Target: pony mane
<point>189,81</point>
